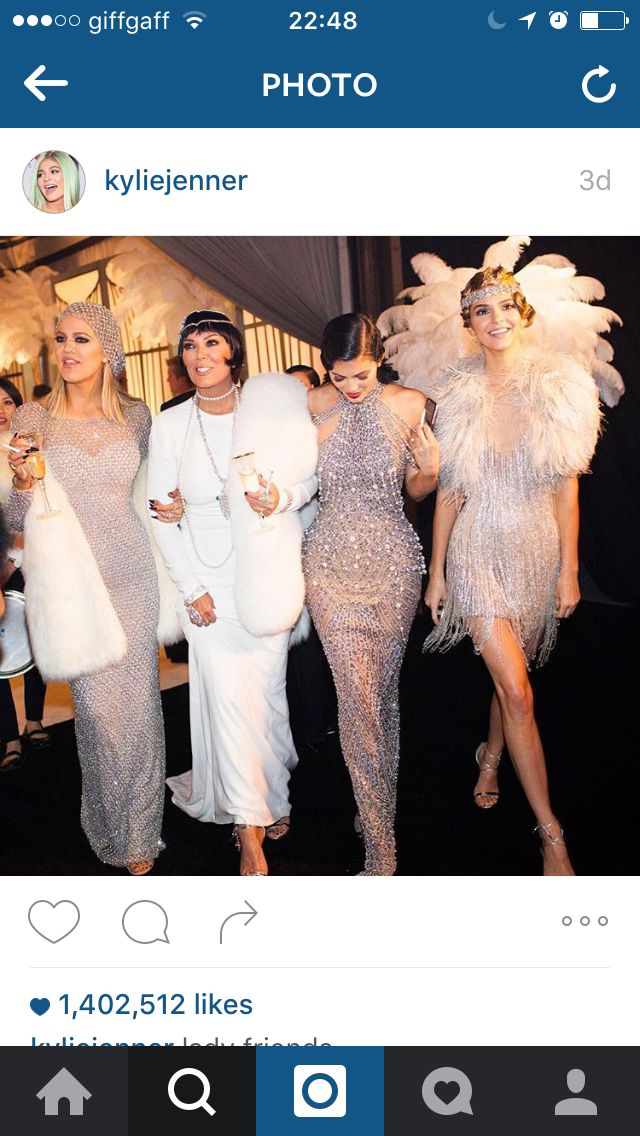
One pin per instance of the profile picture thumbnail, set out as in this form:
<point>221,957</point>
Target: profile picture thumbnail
<point>54,181</point>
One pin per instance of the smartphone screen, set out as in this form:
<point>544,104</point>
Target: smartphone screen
<point>318,775</point>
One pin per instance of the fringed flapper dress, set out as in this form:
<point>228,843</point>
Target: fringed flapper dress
<point>504,453</point>
<point>119,725</point>
<point>363,567</point>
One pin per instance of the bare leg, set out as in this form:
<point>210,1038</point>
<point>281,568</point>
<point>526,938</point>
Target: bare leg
<point>506,664</point>
<point>490,753</point>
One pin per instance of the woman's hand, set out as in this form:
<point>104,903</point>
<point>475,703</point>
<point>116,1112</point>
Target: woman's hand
<point>22,478</point>
<point>436,595</point>
<point>425,449</point>
<point>169,514</point>
<point>202,612</point>
<point>567,594</point>
<point>264,503</point>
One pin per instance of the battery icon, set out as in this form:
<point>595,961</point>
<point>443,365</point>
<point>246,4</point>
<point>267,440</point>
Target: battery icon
<point>603,21</point>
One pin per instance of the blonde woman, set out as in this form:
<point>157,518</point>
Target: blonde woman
<point>94,440</point>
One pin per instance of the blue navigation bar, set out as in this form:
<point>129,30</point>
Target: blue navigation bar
<point>358,64</point>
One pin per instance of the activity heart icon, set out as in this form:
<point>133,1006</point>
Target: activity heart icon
<point>54,921</point>
<point>40,1006</point>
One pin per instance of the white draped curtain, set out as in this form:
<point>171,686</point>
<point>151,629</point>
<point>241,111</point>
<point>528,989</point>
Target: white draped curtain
<point>296,283</point>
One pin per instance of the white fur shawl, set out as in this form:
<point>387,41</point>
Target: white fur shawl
<point>560,406</point>
<point>172,619</point>
<point>73,627</point>
<point>273,421</point>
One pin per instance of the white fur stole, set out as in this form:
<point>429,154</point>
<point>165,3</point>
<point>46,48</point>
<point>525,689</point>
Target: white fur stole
<point>80,633</point>
<point>560,407</point>
<point>273,421</point>
<point>172,619</point>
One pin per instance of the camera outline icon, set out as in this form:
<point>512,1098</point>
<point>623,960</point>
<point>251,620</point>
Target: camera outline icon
<point>329,1100</point>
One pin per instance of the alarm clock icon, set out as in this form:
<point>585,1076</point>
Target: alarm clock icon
<point>558,20</point>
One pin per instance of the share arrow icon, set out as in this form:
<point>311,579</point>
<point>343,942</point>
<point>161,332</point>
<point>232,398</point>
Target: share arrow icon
<point>33,82</point>
<point>528,20</point>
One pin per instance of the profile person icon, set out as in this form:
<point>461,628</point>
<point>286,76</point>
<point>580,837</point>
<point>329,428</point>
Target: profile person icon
<point>576,1105</point>
<point>53,181</point>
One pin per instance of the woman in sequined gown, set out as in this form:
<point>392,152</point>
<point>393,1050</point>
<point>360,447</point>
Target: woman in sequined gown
<point>362,559</point>
<point>94,441</point>
<point>516,428</point>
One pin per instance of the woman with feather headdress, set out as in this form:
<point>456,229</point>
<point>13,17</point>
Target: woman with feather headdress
<point>517,424</point>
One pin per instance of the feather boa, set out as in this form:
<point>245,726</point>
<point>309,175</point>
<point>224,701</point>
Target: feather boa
<point>273,421</point>
<point>561,411</point>
<point>80,632</point>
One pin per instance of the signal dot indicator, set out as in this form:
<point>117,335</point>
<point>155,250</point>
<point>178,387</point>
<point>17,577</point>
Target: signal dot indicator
<point>46,21</point>
<point>32,21</point>
<point>18,21</point>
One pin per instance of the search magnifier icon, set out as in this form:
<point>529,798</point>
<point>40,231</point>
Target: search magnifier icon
<point>190,1106</point>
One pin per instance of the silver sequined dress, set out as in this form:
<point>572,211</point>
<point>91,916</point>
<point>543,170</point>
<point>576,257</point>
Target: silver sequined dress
<point>363,567</point>
<point>504,454</point>
<point>119,726</point>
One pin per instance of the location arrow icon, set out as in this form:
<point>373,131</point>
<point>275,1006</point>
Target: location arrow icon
<point>33,82</point>
<point>528,20</point>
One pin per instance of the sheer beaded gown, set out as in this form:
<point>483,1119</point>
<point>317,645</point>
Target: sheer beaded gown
<point>119,725</point>
<point>363,567</point>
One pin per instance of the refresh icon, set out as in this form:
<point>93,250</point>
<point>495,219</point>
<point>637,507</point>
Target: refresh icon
<point>588,93</point>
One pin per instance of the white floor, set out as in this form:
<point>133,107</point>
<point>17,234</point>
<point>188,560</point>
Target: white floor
<point>59,703</point>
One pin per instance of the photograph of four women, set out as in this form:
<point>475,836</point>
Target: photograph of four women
<point>246,510</point>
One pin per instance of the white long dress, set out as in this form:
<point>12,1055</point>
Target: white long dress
<point>242,748</point>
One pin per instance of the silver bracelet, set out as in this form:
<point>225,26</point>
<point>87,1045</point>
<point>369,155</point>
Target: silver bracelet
<point>196,594</point>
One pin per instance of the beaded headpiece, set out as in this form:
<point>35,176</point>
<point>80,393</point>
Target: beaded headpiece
<point>482,294</point>
<point>105,325</point>
<point>195,320</point>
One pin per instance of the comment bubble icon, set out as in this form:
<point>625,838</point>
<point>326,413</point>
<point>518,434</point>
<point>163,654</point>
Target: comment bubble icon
<point>439,1095</point>
<point>146,922</point>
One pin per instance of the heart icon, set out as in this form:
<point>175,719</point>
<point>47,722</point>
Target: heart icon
<point>54,921</point>
<point>40,1006</point>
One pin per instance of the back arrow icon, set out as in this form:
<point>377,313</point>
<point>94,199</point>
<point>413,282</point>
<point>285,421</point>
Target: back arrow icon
<point>600,72</point>
<point>33,82</point>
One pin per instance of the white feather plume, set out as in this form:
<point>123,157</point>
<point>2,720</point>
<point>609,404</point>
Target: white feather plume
<point>154,291</point>
<point>27,314</point>
<point>427,335</point>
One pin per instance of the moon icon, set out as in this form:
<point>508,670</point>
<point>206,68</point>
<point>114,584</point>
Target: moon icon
<point>493,23</point>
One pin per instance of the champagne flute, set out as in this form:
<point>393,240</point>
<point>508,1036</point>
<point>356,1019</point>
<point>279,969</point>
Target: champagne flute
<point>36,464</point>
<point>250,478</point>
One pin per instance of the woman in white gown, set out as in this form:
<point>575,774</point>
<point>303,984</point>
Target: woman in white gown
<point>240,576</point>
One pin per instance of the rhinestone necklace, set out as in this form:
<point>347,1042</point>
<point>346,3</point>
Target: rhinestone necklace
<point>222,496</point>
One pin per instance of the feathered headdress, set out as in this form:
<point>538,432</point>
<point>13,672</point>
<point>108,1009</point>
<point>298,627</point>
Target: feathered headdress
<point>427,335</point>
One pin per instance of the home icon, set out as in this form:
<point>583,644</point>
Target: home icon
<point>63,1086</point>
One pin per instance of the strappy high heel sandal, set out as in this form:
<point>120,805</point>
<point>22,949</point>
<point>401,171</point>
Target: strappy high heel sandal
<point>279,828</point>
<point>552,836</point>
<point>485,766</point>
<point>237,829</point>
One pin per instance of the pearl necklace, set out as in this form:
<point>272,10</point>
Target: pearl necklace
<point>216,397</point>
<point>222,497</point>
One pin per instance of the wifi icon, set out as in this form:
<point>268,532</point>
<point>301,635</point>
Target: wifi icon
<point>194,19</point>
